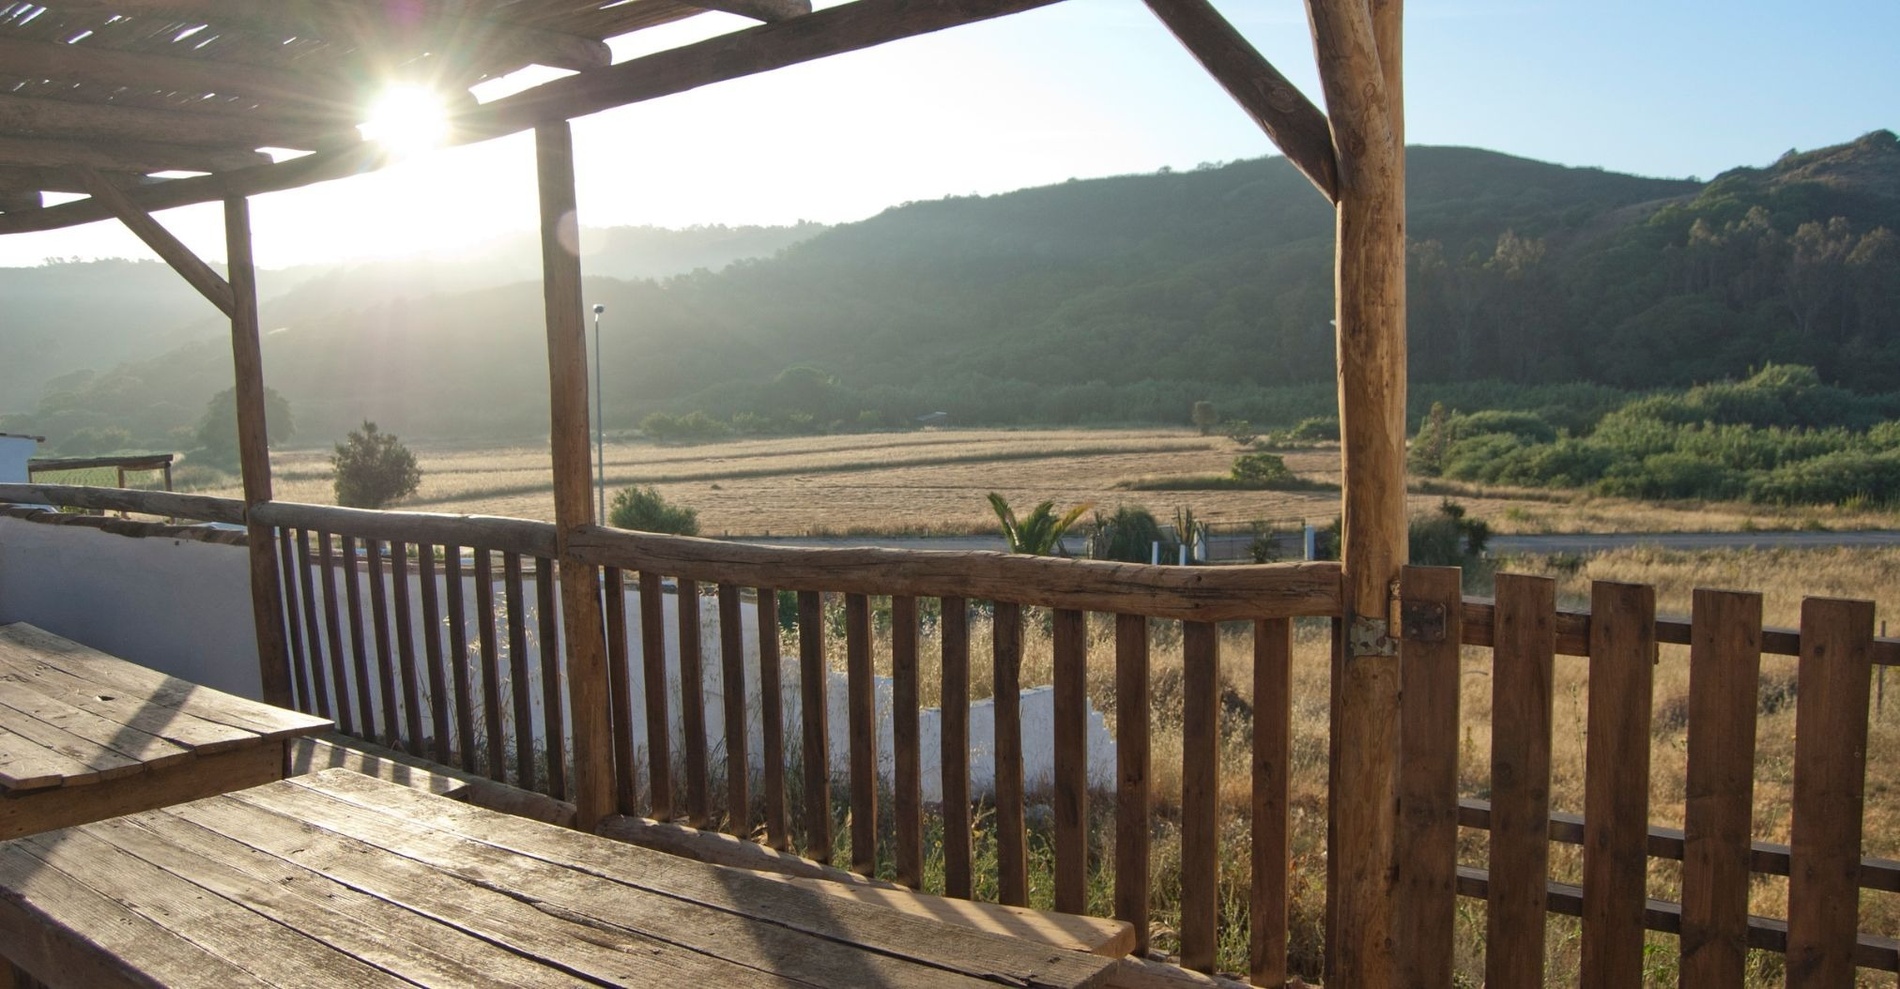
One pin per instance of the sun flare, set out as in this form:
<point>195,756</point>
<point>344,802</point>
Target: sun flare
<point>407,119</point>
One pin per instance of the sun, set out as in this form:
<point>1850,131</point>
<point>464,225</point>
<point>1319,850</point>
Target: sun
<point>407,119</point>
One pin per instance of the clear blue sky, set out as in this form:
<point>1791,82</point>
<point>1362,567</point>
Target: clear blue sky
<point>1098,87</point>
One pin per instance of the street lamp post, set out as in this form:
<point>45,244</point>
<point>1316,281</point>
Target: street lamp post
<point>600,426</point>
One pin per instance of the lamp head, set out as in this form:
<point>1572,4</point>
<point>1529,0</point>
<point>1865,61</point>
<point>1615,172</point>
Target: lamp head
<point>598,309</point>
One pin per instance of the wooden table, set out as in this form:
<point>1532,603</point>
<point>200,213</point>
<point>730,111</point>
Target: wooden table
<point>340,879</point>
<point>86,736</point>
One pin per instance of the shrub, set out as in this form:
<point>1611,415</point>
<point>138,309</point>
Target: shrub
<point>1204,417</point>
<point>1262,470</point>
<point>1240,431</point>
<point>1833,479</point>
<point>217,432</point>
<point>1128,535</point>
<point>644,509</point>
<point>373,469</point>
<point>1671,475</point>
<point>1448,538</point>
<point>1315,429</point>
<point>1040,532</point>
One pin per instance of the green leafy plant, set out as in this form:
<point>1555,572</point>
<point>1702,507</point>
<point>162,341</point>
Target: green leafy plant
<point>1262,470</point>
<point>217,430</point>
<point>373,468</point>
<point>1128,535</point>
<point>1040,532</point>
<point>644,509</point>
<point>1204,417</point>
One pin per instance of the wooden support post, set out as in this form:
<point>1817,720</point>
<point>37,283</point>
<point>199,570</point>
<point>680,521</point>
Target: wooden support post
<point>573,504</point>
<point>1357,46</point>
<point>247,359</point>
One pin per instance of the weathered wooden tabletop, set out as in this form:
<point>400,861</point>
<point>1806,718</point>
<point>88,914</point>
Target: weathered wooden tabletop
<point>339,879</point>
<point>86,736</point>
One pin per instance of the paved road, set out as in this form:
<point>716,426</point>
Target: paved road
<point>1500,545</point>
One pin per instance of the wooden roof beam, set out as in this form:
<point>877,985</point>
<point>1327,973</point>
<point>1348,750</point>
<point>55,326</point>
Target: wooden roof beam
<point>18,200</point>
<point>25,117</point>
<point>92,64</point>
<point>208,283</point>
<point>769,11</point>
<point>1291,120</point>
<point>367,23</point>
<point>63,180</point>
<point>860,24</point>
<point>125,156</point>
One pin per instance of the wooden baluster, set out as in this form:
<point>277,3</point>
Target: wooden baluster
<point>386,700</point>
<point>620,691</point>
<point>659,724</point>
<point>1133,775</point>
<point>816,750</point>
<point>333,630</point>
<point>312,628</point>
<point>732,692</point>
<point>1071,760</point>
<point>1718,822</point>
<point>861,711</point>
<point>552,702</point>
<point>772,720</point>
<point>1616,782</point>
<point>406,648</point>
<point>1012,844</point>
<point>907,798</point>
<point>458,657</point>
<point>1524,650</point>
<point>1200,755</point>
<point>955,625</point>
<point>300,660</point>
<point>432,652</point>
<point>692,703</point>
<point>520,679</point>
<point>359,646</point>
<point>1830,773</point>
<point>1272,758</point>
<point>497,753</point>
<point>1432,628</point>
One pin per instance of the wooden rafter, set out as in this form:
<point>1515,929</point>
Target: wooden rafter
<point>862,24</point>
<point>34,118</point>
<point>125,156</point>
<point>95,65</point>
<point>208,283</point>
<point>16,200</point>
<point>1291,120</point>
<point>759,10</point>
<point>63,179</point>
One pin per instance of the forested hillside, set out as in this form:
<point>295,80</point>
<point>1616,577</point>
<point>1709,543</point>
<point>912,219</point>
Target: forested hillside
<point>1125,299</point>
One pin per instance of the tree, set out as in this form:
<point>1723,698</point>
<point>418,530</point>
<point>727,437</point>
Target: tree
<point>1040,532</point>
<point>373,468</point>
<point>1204,417</point>
<point>645,510</point>
<point>217,429</point>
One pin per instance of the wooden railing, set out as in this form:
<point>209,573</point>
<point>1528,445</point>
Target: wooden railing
<point>400,682</point>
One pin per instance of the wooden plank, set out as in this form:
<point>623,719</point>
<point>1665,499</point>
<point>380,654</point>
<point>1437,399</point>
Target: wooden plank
<point>1133,776</point>
<point>520,680</point>
<point>861,712</point>
<point>1430,604</point>
<point>585,636</point>
<point>1724,677</point>
<point>459,658</point>
<point>333,627</point>
<point>205,775</point>
<point>454,836</point>
<point>1271,892</point>
<point>63,720</point>
<point>907,798</point>
<point>553,702</point>
<point>1219,593</point>
<point>441,733</point>
<point>23,676</point>
<point>692,703</point>
<point>955,706</point>
<point>508,535</point>
<point>320,687</point>
<point>386,697</point>
<point>1830,772</point>
<point>26,764</point>
<point>1069,932</point>
<point>411,680</point>
<point>1521,721</point>
<point>772,720</point>
<point>299,659</point>
<point>496,755</point>
<point>815,752</point>
<point>620,684</point>
<point>1200,794</point>
<point>1070,644</point>
<point>732,694</point>
<point>653,666</point>
<point>1012,842</point>
<point>1616,782</point>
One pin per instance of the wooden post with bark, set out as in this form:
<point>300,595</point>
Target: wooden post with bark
<point>573,483</point>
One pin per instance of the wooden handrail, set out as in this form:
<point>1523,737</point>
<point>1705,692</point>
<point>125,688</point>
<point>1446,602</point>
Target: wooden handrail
<point>510,535</point>
<point>197,507</point>
<point>1201,594</point>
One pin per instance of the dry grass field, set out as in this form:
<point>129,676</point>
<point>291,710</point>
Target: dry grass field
<point>934,481</point>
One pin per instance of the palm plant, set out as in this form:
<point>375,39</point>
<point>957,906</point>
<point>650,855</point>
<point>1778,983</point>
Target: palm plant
<point>1040,532</point>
